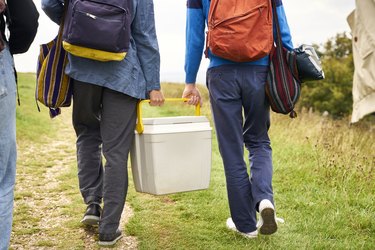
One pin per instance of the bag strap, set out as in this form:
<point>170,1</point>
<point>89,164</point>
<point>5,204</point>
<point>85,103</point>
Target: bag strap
<point>213,6</point>
<point>61,27</point>
<point>279,43</point>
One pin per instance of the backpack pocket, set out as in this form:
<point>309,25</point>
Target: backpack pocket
<point>99,26</point>
<point>240,34</point>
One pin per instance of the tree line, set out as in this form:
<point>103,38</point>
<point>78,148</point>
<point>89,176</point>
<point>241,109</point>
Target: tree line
<point>334,93</point>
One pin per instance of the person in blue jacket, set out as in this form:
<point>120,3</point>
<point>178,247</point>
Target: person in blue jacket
<point>241,115</point>
<point>105,95</point>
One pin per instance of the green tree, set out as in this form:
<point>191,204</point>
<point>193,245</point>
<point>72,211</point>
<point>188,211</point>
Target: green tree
<point>334,93</point>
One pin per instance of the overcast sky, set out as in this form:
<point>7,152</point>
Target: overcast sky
<point>309,21</point>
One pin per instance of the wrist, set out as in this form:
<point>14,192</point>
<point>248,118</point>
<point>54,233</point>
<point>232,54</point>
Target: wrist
<point>189,85</point>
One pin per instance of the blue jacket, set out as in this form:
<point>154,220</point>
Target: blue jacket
<point>138,73</point>
<point>196,21</point>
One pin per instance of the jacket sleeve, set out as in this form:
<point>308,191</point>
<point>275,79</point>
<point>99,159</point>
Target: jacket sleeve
<point>144,35</point>
<point>23,25</point>
<point>54,9</point>
<point>195,39</point>
<point>284,27</point>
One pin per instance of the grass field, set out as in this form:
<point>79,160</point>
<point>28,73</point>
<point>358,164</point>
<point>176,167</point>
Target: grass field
<point>324,185</point>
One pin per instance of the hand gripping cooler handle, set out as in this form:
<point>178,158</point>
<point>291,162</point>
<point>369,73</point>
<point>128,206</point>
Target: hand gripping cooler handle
<point>139,127</point>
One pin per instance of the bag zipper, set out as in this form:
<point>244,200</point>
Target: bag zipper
<point>97,2</point>
<point>94,17</point>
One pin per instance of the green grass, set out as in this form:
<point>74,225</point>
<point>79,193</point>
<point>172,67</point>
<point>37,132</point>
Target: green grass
<point>31,124</point>
<point>323,182</point>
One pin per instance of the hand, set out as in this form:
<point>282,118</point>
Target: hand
<point>192,92</point>
<point>156,98</point>
<point>2,6</point>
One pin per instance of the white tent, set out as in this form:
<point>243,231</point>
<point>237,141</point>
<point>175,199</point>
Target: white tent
<point>362,24</point>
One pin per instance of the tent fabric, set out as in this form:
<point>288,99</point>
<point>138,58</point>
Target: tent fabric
<point>362,24</point>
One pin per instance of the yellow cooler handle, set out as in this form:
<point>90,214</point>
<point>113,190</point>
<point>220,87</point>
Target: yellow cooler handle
<point>139,127</point>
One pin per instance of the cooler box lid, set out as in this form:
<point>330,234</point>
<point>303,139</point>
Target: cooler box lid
<point>175,124</point>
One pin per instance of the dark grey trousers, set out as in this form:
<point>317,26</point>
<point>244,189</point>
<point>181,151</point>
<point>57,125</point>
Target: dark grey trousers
<point>104,122</point>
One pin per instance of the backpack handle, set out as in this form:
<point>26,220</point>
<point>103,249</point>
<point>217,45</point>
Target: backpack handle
<point>139,127</point>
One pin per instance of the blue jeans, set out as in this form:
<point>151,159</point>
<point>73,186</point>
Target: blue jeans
<point>241,115</point>
<point>8,152</point>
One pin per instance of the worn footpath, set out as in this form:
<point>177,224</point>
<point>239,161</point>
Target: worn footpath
<point>48,206</point>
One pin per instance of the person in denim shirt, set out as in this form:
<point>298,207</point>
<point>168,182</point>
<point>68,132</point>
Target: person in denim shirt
<point>241,115</point>
<point>8,151</point>
<point>22,30</point>
<point>105,95</point>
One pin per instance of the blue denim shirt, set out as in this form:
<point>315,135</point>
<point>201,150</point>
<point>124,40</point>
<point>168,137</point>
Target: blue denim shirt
<point>8,149</point>
<point>138,73</point>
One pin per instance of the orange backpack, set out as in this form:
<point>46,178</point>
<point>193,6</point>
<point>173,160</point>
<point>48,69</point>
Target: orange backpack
<point>240,30</point>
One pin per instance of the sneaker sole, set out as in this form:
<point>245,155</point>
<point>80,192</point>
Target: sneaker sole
<point>109,243</point>
<point>90,220</point>
<point>269,225</point>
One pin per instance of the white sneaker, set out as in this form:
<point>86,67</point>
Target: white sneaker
<point>267,220</point>
<point>232,226</point>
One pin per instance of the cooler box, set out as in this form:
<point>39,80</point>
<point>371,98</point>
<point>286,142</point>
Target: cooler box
<point>173,154</point>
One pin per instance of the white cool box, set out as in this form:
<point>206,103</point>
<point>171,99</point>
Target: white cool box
<point>173,154</point>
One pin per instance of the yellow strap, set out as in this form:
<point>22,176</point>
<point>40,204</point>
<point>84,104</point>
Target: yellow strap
<point>94,54</point>
<point>139,127</point>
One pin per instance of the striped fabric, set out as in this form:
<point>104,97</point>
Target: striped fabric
<point>54,87</point>
<point>283,87</point>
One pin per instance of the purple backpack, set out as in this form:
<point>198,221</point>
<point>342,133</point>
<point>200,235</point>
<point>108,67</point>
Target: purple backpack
<point>98,29</point>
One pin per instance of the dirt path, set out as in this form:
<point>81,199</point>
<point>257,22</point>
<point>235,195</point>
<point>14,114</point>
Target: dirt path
<point>48,206</point>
